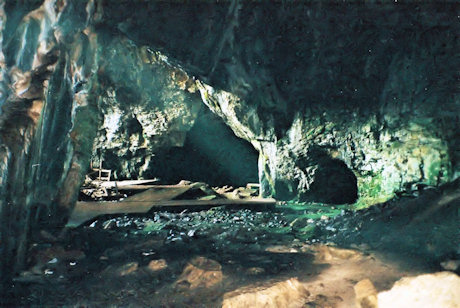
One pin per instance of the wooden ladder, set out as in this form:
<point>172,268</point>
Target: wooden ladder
<point>103,174</point>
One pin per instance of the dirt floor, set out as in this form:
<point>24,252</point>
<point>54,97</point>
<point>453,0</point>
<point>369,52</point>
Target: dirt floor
<point>153,274</point>
<point>304,256</point>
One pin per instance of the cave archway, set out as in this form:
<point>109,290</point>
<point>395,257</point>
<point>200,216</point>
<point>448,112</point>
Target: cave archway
<point>329,179</point>
<point>334,183</point>
<point>211,153</point>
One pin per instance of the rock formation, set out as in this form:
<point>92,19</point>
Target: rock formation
<point>340,101</point>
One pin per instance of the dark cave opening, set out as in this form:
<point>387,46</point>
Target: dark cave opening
<point>334,183</point>
<point>211,154</point>
<point>323,179</point>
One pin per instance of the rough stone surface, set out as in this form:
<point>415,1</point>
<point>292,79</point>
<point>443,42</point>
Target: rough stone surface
<point>377,102</point>
<point>366,294</point>
<point>290,293</point>
<point>72,89</point>
<point>127,269</point>
<point>157,265</point>
<point>328,157</point>
<point>200,272</point>
<point>48,56</point>
<point>430,290</point>
<point>366,84</point>
<point>147,105</point>
<point>321,104</point>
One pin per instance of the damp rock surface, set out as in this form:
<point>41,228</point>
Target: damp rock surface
<point>132,79</point>
<point>430,290</point>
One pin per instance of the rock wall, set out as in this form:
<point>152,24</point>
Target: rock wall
<point>339,101</point>
<point>147,105</point>
<point>46,120</point>
<point>325,92</point>
<point>387,153</point>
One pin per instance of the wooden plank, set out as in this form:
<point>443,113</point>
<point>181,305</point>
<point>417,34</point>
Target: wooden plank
<point>85,211</point>
<point>126,183</point>
<point>144,187</point>
<point>138,203</point>
<point>215,202</point>
<point>137,187</point>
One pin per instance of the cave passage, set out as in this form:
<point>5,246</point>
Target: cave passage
<point>211,154</point>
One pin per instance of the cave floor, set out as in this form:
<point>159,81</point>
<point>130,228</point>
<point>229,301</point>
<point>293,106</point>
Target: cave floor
<point>307,256</point>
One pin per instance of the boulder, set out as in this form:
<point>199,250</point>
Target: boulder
<point>440,289</point>
<point>200,272</point>
<point>326,253</point>
<point>157,265</point>
<point>366,294</point>
<point>127,268</point>
<point>290,294</point>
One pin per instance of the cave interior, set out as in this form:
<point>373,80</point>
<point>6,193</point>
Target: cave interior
<point>229,153</point>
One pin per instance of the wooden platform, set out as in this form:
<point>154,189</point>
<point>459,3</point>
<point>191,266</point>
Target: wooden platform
<point>156,196</point>
<point>128,183</point>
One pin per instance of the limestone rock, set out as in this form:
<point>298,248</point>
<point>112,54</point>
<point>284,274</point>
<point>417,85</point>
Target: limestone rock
<point>290,294</point>
<point>440,289</point>
<point>157,265</point>
<point>366,294</point>
<point>48,68</point>
<point>451,265</point>
<point>127,269</point>
<point>254,271</point>
<point>329,253</point>
<point>146,105</point>
<point>200,272</point>
<point>368,131</point>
